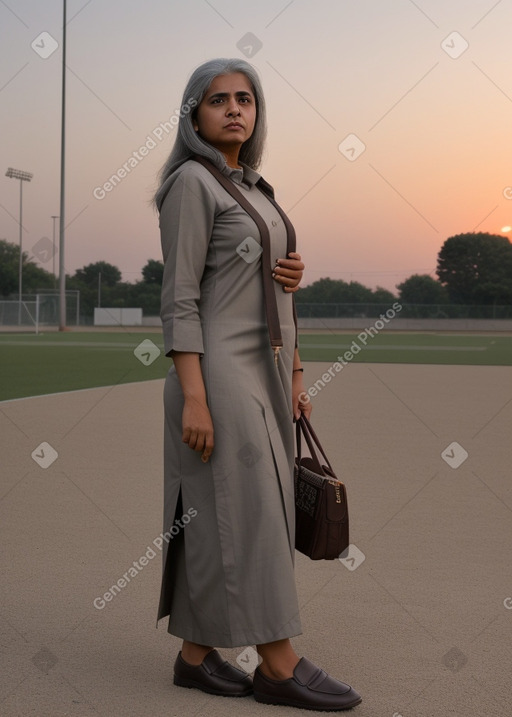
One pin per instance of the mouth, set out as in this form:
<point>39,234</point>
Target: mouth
<point>234,125</point>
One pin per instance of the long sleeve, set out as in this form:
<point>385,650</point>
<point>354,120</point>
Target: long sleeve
<point>186,223</point>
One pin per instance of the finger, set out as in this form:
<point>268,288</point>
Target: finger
<point>307,410</point>
<point>193,438</point>
<point>293,256</point>
<point>290,289</point>
<point>291,273</point>
<point>285,280</point>
<point>201,442</point>
<point>305,406</point>
<point>208,448</point>
<point>290,264</point>
<point>205,457</point>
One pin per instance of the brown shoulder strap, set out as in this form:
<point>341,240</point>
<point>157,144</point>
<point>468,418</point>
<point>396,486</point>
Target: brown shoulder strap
<point>291,243</point>
<point>268,284</point>
<point>267,190</point>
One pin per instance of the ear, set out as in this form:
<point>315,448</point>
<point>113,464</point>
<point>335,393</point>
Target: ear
<point>195,125</point>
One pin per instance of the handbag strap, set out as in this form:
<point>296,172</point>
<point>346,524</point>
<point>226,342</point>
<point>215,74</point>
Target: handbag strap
<point>271,312</point>
<point>304,428</point>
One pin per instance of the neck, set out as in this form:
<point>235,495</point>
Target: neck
<point>231,156</point>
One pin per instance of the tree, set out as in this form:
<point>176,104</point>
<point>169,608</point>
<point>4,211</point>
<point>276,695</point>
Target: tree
<point>153,272</point>
<point>34,277</point>
<point>9,260</point>
<point>337,291</point>
<point>422,289</point>
<point>88,275</point>
<point>333,291</point>
<point>476,268</point>
<point>382,296</point>
<point>147,296</point>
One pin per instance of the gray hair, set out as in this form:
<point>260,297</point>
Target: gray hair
<point>188,142</point>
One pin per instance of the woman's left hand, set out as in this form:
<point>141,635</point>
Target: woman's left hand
<point>301,401</point>
<point>288,272</point>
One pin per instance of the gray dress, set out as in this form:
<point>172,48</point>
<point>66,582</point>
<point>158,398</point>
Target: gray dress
<point>228,575</point>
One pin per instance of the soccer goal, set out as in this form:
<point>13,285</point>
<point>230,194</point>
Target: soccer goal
<point>38,310</point>
<point>19,313</point>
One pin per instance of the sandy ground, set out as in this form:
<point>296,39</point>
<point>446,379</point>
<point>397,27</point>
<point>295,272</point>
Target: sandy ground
<point>421,623</point>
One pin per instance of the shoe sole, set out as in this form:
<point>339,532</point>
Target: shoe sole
<point>316,708</point>
<point>190,684</point>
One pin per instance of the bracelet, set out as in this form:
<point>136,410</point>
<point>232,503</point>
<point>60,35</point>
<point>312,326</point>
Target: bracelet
<point>298,369</point>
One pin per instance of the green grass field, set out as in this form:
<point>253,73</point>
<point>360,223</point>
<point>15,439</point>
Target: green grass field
<point>51,362</point>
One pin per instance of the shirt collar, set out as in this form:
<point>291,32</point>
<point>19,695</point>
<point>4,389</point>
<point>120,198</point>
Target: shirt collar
<point>245,175</point>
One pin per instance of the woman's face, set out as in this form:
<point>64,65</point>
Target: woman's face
<point>227,113</point>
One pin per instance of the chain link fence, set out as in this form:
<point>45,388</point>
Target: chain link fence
<point>408,311</point>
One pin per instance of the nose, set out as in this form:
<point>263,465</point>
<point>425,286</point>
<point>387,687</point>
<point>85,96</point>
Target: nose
<point>232,109</point>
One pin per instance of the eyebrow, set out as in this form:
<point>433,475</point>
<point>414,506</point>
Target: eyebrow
<point>241,93</point>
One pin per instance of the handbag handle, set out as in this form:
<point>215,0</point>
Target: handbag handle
<point>304,428</point>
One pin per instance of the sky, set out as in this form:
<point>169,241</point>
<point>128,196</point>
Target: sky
<point>389,122</point>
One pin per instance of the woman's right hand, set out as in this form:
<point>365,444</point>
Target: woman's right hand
<point>197,427</point>
<point>288,272</point>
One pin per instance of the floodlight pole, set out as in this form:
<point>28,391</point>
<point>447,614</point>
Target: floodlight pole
<point>23,177</point>
<point>20,265</point>
<point>54,217</point>
<point>62,270</point>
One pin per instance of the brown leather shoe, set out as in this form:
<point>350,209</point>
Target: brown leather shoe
<point>214,675</point>
<point>310,688</point>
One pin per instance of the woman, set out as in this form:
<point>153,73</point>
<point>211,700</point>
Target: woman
<point>229,441</point>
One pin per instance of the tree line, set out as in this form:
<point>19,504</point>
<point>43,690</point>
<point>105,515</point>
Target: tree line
<point>472,269</point>
<point>99,283</point>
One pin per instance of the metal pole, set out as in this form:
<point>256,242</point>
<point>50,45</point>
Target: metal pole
<point>62,271</point>
<point>23,177</point>
<point>37,314</point>
<point>20,270</point>
<point>54,217</point>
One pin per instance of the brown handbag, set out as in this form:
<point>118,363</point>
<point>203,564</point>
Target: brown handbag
<point>321,509</point>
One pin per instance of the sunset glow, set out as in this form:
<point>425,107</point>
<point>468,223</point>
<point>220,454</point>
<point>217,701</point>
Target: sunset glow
<point>389,131</point>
